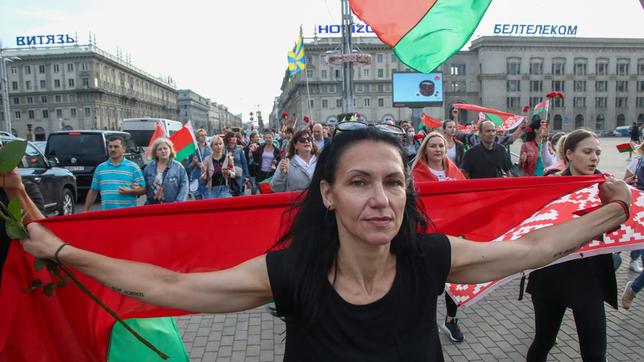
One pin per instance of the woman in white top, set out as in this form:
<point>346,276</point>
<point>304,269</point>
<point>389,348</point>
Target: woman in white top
<point>455,148</point>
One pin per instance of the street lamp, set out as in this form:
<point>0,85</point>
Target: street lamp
<point>5,89</point>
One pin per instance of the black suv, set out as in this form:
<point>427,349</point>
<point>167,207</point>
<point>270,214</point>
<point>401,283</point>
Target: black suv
<point>81,151</point>
<point>57,185</point>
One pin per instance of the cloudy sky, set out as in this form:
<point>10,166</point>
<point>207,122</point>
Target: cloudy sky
<point>234,52</point>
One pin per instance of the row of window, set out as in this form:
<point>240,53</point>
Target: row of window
<point>380,58</point>
<point>366,102</point>
<point>60,113</point>
<point>55,68</point>
<point>71,83</point>
<point>578,102</point>
<point>580,67</point>
<point>337,73</point>
<point>600,121</point>
<point>44,99</point>
<point>578,86</point>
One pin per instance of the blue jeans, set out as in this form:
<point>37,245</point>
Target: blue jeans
<point>218,192</point>
<point>638,283</point>
<point>637,253</point>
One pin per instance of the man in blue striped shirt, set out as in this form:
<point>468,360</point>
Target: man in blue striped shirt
<point>118,179</point>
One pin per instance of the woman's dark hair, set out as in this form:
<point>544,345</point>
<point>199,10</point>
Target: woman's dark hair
<point>573,139</point>
<point>445,122</point>
<point>312,238</point>
<point>304,132</point>
<point>534,125</point>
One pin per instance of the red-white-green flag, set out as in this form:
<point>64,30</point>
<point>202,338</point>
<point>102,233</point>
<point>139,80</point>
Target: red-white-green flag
<point>502,120</point>
<point>422,33</point>
<point>542,107</point>
<point>185,142</point>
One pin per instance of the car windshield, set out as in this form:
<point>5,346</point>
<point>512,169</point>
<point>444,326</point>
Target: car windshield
<point>86,147</point>
<point>141,137</point>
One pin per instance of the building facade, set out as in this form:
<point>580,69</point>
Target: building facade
<point>602,80</point>
<point>194,107</point>
<point>80,87</point>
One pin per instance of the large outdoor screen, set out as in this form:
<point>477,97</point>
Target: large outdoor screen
<point>417,90</point>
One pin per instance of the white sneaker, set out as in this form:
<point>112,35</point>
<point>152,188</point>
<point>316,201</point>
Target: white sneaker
<point>627,296</point>
<point>634,266</point>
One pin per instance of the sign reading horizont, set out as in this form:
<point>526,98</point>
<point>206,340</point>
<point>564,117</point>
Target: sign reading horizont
<point>337,29</point>
<point>44,39</point>
<point>535,29</point>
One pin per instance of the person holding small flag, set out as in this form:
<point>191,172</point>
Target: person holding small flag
<point>202,152</point>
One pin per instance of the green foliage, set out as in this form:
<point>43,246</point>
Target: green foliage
<point>11,154</point>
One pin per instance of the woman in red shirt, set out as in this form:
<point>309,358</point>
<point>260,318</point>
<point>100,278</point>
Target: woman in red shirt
<point>431,162</point>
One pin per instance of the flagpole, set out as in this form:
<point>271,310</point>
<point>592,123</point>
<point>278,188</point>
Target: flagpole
<point>194,139</point>
<point>306,75</point>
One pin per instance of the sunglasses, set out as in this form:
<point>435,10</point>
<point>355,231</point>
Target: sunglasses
<point>304,139</point>
<point>355,125</point>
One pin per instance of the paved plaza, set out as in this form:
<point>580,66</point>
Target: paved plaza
<point>498,328</point>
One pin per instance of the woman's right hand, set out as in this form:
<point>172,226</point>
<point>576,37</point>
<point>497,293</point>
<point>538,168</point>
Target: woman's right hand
<point>41,243</point>
<point>283,166</point>
<point>613,189</point>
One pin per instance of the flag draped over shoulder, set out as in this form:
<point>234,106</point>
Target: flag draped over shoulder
<point>422,33</point>
<point>296,59</point>
<point>185,142</point>
<point>502,120</point>
<point>69,326</point>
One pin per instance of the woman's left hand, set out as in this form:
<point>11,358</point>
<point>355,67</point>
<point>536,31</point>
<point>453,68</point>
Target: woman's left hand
<point>613,189</point>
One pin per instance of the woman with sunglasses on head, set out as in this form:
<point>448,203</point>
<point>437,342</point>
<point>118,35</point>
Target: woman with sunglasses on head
<point>583,285</point>
<point>354,276</point>
<point>432,164</point>
<point>294,173</point>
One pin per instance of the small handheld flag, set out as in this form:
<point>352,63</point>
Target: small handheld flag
<point>624,147</point>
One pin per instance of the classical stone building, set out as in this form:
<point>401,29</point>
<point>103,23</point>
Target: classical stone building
<point>602,80</point>
<point>194,107</point>
<point>81,87</point>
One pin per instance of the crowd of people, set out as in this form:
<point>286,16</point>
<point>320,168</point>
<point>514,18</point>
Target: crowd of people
<point>331,225</point>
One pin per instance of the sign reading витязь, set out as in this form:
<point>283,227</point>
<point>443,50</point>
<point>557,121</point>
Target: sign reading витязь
<point>50,39</point>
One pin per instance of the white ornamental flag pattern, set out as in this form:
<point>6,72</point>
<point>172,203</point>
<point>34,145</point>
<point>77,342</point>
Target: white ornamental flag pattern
<point>629,236</point>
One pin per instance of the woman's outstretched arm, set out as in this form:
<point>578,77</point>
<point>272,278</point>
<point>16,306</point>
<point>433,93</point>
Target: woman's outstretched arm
<point>242,287</point>
<point>474,262</point>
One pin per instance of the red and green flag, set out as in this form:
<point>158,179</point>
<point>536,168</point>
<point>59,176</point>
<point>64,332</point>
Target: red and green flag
<point>503,121</point>
<point>185,142</point>
<point>427,122</point>
<point>542,107</point>
<point>624,147</point>
<point>422,33</point>
<point>265,186</point>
